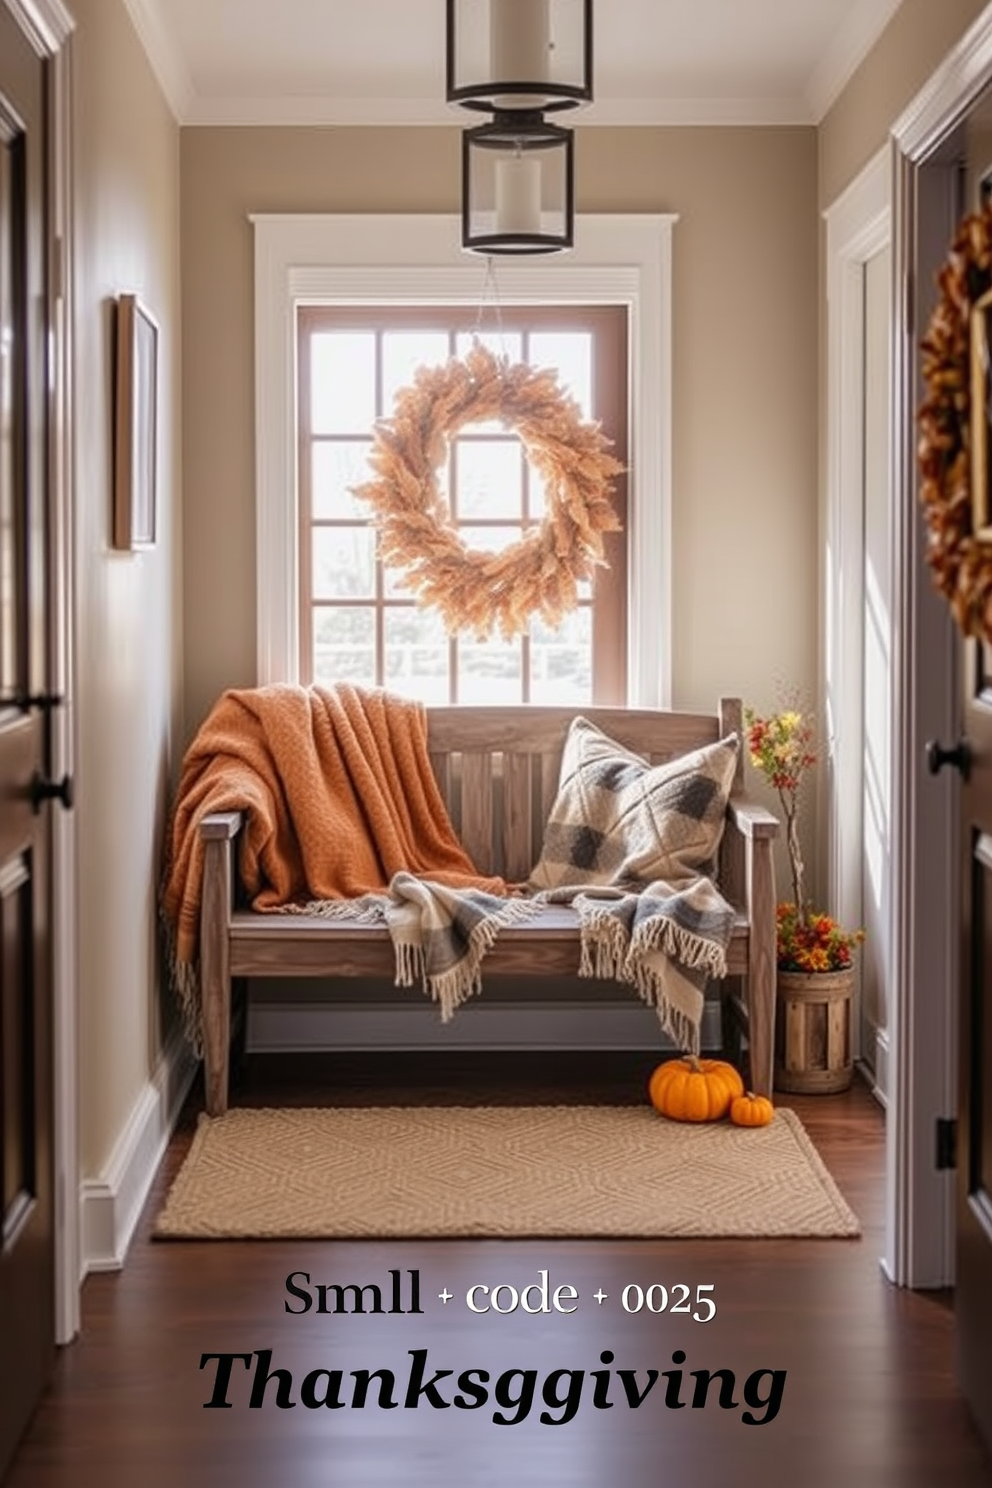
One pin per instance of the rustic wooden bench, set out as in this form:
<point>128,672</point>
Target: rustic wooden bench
<point>498,772</point>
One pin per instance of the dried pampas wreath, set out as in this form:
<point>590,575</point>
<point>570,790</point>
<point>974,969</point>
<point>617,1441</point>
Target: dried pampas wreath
<point>473,590</point>
<point>960,556</point>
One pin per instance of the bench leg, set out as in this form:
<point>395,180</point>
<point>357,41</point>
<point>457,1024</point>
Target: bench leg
<point>215,983</point>
<point>762,969</point>
<point>216,1036</point>
<point>761,1026</point>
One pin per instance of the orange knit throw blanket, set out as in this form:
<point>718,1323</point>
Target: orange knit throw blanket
<point>338,794</point>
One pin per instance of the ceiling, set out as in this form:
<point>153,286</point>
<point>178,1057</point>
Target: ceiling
<point>381,61</point>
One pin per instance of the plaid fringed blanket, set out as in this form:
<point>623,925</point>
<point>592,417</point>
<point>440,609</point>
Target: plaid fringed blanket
<point>441,935</point>
<point>633,848</point>
<point>341,805</point>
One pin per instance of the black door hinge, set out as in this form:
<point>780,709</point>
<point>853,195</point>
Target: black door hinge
<point>947,1142</point>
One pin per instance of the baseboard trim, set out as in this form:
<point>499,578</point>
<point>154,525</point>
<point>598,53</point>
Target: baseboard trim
<point>111,1204</point>
<point>285,1027</point>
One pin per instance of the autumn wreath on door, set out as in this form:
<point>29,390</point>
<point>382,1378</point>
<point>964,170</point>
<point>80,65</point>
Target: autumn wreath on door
<point>954,419</point>
<point>477,591</point>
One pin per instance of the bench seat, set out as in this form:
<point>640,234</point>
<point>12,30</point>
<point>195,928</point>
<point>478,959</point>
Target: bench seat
<point>311,945</point>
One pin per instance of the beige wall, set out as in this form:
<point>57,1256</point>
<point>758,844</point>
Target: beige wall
<point>915,41</point>
<point>744,370</point>
<point>129,606</point>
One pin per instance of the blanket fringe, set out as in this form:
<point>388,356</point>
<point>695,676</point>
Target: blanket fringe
<point>681,1029</point>
<point>609,950</point>
<point>369,910</point>
<point>184,980</point>
<point>603,944</point>
<point>665,935</point>
<point>454,987</point>
<point>409,963</point>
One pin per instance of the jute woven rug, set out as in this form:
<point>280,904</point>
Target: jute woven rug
<point>498,1171</point>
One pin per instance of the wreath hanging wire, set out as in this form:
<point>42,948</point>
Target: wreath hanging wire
<point>474,590</point>
<point>960,557</point>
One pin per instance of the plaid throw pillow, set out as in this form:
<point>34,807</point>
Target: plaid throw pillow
<point>621,822</point>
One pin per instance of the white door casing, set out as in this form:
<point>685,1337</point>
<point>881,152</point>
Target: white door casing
<point>858,227</point>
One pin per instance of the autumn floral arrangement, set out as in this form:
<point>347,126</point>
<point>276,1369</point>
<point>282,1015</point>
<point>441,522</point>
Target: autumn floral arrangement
<point>782,749</point>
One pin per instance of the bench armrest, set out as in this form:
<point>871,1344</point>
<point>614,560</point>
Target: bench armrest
<point>220,825</point>
<point>751,819</point>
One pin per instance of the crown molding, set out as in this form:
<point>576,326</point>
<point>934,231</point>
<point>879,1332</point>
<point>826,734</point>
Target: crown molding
<point>697,111</point>
<point>319,109</point>
<point>46,23</point>
<point>414,112</point>
<point>845,53</point>
<point>164,56</point>
<point>839,61</point>
<point>962,75</point>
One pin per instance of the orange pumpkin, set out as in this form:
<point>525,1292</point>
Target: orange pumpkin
<point>692,1089</point>
<point>751,1110</point>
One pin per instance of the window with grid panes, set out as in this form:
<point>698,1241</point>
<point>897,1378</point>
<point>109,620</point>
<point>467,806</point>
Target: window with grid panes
<point>357,622</point>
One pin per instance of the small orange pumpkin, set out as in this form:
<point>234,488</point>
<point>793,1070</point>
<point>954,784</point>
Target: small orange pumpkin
<point>751,1110</point>
<point>692,1089</point>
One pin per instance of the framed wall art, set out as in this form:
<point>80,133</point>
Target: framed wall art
<point>135,426</point>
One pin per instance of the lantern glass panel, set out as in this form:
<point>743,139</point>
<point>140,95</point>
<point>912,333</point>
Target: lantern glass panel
<point>519,197</point>
<point>544,43</point>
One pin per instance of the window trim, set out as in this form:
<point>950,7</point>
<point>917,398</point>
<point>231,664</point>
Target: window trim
<point>386,259</point>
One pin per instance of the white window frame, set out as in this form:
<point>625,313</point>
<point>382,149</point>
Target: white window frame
<point>406,260</point>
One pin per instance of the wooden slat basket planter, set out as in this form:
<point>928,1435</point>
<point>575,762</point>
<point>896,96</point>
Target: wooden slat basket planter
<point>813,1032</point>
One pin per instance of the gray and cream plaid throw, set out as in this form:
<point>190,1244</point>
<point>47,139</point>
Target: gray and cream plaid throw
<point>440,935</point>
<point>633,848</point>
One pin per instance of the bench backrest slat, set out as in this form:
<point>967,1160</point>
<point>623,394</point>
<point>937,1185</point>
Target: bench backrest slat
<point>549,768</point>
<point>518,815</point>
<point>441,765</point>
<point>498,769</point>
<point>477,809</point>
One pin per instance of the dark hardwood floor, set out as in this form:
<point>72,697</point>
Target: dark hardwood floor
<point>868,1396</point>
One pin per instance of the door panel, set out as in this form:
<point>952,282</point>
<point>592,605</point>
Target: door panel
<point>26,1155</point>
<point>979,1174</point>
<point>974,1157</point>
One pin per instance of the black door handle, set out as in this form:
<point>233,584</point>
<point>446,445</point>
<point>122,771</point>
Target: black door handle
<point>45,701</point>
<point>959,756</point>
<point>51,790</point>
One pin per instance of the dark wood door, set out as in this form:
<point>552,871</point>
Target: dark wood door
<point>974,1157</point>
<point>26,1122</point>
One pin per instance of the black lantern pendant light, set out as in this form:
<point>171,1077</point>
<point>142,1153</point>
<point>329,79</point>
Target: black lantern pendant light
<point>519,54</point>
<point>518,60</point>
<point>517,192</point>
